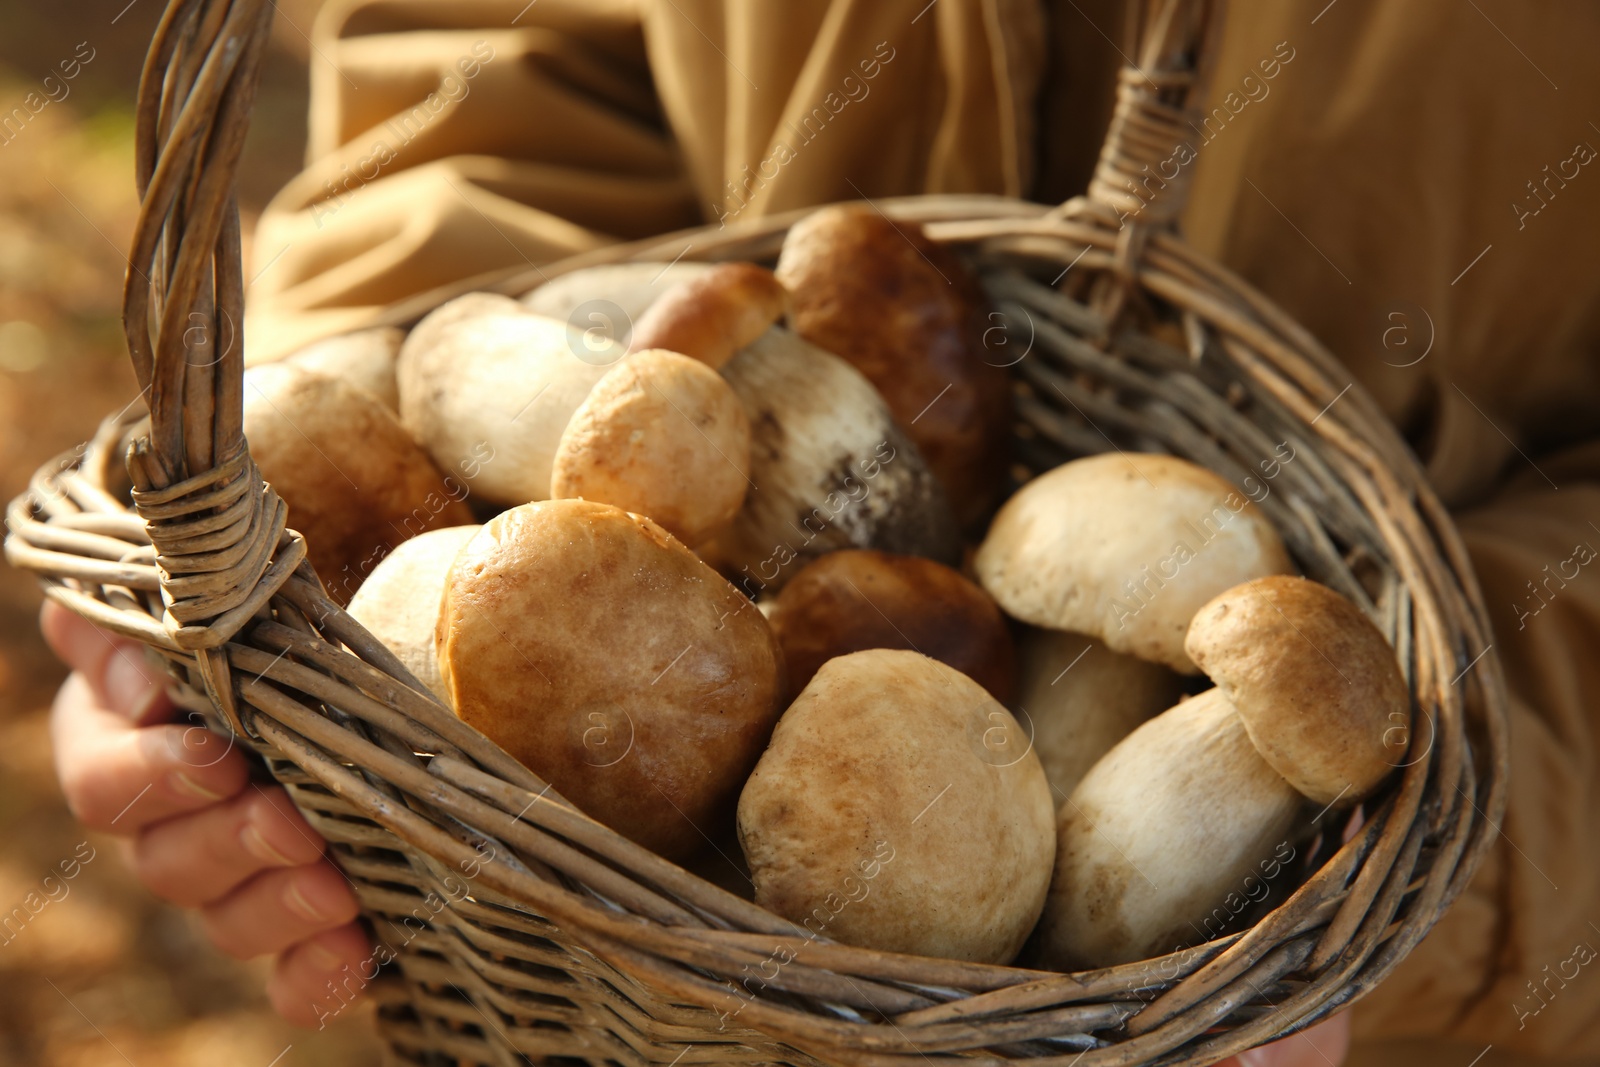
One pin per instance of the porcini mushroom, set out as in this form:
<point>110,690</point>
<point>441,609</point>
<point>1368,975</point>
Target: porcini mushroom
<point>899,808</point>
<point>399,601</point>
<point>1079,698</point>
<point>365,358</point>
<point>711,316</point>
<point>1125,547</point>
<point>446,315</point>
<point>662,435</point>
<point>830,466</point>
<point>1186,808</point>
<point>858,599</point>
<point>594,647</point>
<point>609,298</point>
<point>494,388</point>
<point>1314,680</point>
<point>905,312</point>
<point>355,482</point>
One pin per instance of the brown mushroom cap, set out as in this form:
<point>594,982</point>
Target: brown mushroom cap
<point>860,598</point>
<point>661,435</point>
<point>355,482</point>
<point>905,312</point>
<point>883,815</point>
<point>1125,547</point>
<point>598,650</point>
<point>713,315</point>
<point>1316,683</point>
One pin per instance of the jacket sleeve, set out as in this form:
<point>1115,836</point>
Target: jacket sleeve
<point>450,140</point>
<point>1513,963</point>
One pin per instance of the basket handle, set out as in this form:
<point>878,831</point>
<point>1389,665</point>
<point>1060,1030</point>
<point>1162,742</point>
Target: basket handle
<point>1147,160</point>
<point>217,528</point>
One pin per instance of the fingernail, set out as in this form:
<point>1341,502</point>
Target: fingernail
<point>140,711</point>
<point>321,958</point>
<point>255,843</point>
<point>129,687</point>
<point>194,746</point>
<point>182,783</point>
<point>297,902</point>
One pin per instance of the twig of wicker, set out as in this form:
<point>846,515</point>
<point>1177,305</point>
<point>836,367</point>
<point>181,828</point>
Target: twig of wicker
<point>519,927</point>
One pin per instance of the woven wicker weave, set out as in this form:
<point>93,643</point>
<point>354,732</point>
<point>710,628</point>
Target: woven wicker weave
<point>521,928</point>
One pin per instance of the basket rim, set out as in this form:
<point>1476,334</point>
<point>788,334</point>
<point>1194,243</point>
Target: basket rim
<point>334,710</point>
<point>969,222</point>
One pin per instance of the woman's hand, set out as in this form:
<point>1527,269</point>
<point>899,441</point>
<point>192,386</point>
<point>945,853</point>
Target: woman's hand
<point>199,832</point>
<point>1323,1045</point>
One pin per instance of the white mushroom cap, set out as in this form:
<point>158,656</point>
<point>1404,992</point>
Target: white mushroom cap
<point>399,601</point>
<point>365,358</point>
<point>467,306</point>
<point>494,391</point>
<point>1125,547</point>
<point>593,297</point>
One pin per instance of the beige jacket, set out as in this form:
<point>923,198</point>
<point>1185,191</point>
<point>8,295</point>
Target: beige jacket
<point>1410,180</point>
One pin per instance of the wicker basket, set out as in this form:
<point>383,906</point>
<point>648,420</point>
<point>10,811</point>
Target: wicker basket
<point>517,926</point>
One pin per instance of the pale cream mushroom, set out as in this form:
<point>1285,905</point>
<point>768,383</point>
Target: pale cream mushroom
<point>399,601</point>
<point>660,435</point>
<point>1125,547</point>
<point>899,808</point>
<point>365,358</point>
<point>446,315</point>
<point>830,466</point>
<point>610,298</point>
<point>489,388</point>
<point>1176,819</point>
<point>1080,698</point>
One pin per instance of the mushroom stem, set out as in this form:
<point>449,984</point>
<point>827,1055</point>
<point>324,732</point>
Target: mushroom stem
<point>1173,828</point>
<point>830,466</point>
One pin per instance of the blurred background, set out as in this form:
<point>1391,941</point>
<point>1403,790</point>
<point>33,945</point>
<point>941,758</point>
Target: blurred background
<point>105,974</point>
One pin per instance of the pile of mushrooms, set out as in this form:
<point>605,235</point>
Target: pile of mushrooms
<point>1106,559</point>
<point>1178,816</point>
<point>695,543</point>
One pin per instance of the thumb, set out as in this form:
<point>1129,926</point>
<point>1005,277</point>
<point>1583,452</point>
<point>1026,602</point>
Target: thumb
<point>117,669</point>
